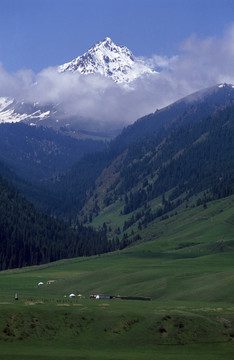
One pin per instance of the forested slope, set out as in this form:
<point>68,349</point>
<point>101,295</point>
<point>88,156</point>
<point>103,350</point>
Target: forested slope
<point>28,237</point>
<point>157,175</point>
<point>145,135</point>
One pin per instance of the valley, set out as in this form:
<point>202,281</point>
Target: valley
<point>187,271</point>
<point>112,192</point>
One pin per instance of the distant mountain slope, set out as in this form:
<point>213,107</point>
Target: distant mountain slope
<point>110,60</point>
<point>185,111</point>
<point>38,154</point>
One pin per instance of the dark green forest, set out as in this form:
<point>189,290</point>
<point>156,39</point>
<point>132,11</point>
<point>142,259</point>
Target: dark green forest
<point>28,237</point>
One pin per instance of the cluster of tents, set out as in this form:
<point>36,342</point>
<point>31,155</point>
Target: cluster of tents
<point>97,296</point>
<point>72,296</point>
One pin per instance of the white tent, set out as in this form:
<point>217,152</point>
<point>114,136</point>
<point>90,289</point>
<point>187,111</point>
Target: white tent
<point>40,283</point>
<point>72,296</point>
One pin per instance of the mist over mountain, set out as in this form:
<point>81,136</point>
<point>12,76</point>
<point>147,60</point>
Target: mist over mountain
<point>80,92</point>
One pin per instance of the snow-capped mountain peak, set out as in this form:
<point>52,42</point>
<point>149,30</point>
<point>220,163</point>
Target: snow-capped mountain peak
<point>110,60</point>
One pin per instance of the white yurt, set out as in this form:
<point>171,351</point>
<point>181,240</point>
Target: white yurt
<point>72,296</point>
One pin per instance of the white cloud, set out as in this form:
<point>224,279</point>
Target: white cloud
<point>199,63</point>
<point>160,62</point>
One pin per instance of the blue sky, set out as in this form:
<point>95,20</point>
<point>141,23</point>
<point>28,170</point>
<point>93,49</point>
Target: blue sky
<point>36,34</point>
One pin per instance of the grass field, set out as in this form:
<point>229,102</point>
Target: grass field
<point>188,272</point>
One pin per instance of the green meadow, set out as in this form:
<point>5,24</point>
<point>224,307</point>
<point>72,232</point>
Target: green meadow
<point>184,263</point>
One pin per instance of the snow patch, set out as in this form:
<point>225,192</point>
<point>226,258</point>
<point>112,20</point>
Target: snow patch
<point>10,114</point>
<point>225,85</point>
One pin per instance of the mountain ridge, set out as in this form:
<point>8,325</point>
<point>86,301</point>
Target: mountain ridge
<point>188,109</point>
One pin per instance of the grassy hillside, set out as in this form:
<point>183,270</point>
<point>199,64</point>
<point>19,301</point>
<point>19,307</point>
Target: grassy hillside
<point>185,266</point>
<point>196,245</point>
